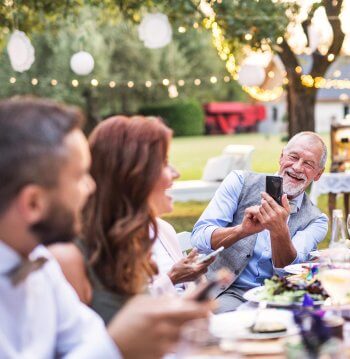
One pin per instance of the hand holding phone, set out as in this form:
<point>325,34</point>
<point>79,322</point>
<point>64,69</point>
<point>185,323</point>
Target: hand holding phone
<point>274,188</point>
<point>205,258</point>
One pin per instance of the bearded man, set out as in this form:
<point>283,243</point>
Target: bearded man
<point>259,235</point>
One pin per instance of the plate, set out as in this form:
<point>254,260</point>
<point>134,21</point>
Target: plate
<point>236,324</point>
<point>315,254</point>
<point>254,295</point>
<point>299,268</point>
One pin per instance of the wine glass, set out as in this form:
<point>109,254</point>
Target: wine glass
<point>196,341</point>
<point>348,223</point>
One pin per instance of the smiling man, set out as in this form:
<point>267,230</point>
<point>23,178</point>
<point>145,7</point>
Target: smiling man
<point>260,236</point>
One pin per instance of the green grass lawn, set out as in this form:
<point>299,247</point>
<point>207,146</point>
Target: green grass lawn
<point>189,155</point>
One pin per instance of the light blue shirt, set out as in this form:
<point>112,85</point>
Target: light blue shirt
<point>43,318</point>
<point>220,212</point>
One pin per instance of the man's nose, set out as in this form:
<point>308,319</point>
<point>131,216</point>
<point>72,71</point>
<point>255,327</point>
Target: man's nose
<point>298,165</point>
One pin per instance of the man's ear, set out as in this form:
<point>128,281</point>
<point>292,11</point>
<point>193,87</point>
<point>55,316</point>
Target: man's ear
<point>32,202</point>
<point>317,177</point>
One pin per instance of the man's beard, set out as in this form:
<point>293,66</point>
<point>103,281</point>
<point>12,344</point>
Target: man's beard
<point>291,189</point>
<point>57,226</point>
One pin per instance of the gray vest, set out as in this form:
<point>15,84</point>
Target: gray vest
<point>238,255</point>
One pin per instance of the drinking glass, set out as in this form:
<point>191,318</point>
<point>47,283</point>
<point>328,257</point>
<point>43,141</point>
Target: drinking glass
<point>196,341</point>
<point>348,223</point>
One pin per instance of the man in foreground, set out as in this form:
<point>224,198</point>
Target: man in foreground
<point>44,183</point>
<point>260,236</point>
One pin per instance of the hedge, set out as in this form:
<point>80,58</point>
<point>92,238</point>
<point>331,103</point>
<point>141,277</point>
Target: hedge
<point>185,118</point>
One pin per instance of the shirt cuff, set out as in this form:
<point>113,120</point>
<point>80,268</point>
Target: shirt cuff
<point>281,272</point>
<point>208,232</point>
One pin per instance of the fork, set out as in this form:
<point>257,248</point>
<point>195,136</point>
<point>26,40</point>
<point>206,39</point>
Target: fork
<point>261,307</point>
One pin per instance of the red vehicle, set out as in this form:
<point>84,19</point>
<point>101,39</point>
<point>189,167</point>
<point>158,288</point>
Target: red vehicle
<point>231,117</point>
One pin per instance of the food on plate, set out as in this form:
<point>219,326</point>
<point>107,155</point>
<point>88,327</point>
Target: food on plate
<point>284,291</point>
<point>262,326</point>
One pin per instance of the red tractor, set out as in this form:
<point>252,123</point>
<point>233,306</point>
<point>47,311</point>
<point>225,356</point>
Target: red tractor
<point>232,117</point>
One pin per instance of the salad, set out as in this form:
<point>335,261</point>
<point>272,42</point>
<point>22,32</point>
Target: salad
<point>282,290</point>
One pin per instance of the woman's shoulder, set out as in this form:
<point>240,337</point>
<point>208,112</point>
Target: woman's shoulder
<point>165,226</point>
<point>67,254</point>
<point>72,262</point>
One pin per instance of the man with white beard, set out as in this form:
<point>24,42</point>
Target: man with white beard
<point>259,235</point>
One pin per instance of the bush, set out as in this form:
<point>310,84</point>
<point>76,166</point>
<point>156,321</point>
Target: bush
<point>185,118</point>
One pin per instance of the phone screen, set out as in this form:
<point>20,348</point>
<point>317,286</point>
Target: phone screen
<point>274,187</point>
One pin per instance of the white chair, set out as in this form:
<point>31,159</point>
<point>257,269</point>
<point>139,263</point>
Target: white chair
<point>241,156</point>
<point>217,168</point>
<point>184,239</point>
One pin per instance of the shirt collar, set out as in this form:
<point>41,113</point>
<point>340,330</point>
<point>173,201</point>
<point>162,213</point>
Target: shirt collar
<point>298,200</point>
<point>10,259</point>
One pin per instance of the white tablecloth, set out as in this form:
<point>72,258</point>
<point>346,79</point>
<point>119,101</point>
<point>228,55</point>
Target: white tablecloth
<point>330,183</point>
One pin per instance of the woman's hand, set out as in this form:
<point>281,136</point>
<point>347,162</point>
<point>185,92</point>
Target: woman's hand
<point>187,269</point>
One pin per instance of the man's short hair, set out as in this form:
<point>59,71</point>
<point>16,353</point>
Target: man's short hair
<point>315,138</point>
<point>32,132</point>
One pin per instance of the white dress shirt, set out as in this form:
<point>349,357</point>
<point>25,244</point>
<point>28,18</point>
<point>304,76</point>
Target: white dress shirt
<point>42,316</point>
<point>166,252</point>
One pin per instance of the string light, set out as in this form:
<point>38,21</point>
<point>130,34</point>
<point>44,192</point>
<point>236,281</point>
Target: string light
<point>53,82</point>
<point>94,83</point>
<point>181,82</point>
<point>298,69</point>
<point>197,82</point>
<point>130,84</point>
<point>75,83</point>
<point>248,37</point>
<point>148,83</point>
<point>264,95</point>
<point>12,80</point>
<point>34,81</point>
<point>330,57</point>
<point>166,82</point>
<point>227,78</point>
<point>181,29</point>
<point>112,84</point>
<point>271,74</point>
<point>195,25</point>
<point>213,80</point>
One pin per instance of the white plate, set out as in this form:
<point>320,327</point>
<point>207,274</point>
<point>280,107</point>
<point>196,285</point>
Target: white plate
<point>315,254</point>
<point>254,295</point>
<point>299,268</point>
<point>236,324</point>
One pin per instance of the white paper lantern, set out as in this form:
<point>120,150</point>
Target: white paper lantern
<point>155,31</point>
<point>20,51</point>
<point>251,75</point>
<point>82,63</point>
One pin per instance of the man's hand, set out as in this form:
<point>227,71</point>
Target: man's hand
<point>250,224</point>
<point>187,269</point>
<point>149,327</point>
<point>274,218</point>
<point>271,215</point>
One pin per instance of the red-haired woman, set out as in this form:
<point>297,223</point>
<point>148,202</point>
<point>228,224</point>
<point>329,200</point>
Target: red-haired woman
<point>113,261</point>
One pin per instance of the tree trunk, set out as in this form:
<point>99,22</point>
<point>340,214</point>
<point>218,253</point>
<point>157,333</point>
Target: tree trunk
<point>301,103</point>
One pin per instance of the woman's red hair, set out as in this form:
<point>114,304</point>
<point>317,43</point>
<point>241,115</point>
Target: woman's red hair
<point>128,155</point>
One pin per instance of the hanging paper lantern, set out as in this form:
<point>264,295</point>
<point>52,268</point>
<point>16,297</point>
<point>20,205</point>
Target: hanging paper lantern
<point>155,31</point>
<point>82,63</point>
<point>20,51</point>
<point>251,75</point>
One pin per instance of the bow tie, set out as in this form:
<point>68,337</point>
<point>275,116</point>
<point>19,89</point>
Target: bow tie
<point>20,273</point>
<point>293,204</point>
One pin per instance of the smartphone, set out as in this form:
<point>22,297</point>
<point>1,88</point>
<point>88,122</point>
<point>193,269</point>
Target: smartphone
<point>205,258</point>
<point>274,187</point>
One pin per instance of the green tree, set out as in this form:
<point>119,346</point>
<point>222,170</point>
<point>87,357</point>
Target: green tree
<point>120,57</point>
